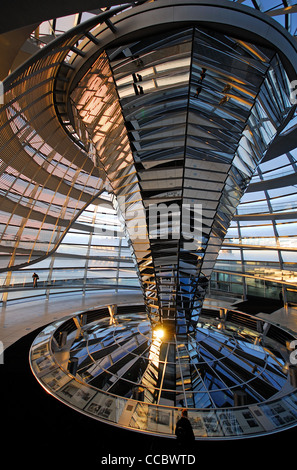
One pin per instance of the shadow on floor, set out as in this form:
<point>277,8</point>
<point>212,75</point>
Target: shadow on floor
<point>255,305</point>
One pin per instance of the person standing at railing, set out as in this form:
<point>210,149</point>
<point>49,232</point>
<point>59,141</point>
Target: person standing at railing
<point>184,432</point>
<point>35,279</point>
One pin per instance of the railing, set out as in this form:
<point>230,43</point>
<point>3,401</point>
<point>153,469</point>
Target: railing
<point>61,380</point>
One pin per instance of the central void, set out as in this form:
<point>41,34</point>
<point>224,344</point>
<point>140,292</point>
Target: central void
<point>232,373</point>
<point>204,369</point>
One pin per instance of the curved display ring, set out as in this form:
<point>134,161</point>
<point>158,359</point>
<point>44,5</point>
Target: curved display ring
<point>103,363</point>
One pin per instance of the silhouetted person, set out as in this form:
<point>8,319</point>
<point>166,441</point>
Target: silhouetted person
<point>35,279</point>
<point>184,432</point>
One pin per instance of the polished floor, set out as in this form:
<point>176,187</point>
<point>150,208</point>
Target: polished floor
<point>18,319</point>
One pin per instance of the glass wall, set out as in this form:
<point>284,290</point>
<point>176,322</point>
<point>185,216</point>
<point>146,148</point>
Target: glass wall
<point>259,256</point>
<point>93,255</point>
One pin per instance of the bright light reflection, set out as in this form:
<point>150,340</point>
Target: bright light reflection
<point>159,333</point>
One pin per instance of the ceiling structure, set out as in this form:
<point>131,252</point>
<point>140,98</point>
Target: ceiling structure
<point>15,16</point>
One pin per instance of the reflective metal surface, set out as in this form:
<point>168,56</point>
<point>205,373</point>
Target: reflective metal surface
<point>200,108</point>
<point>232,373</point>
<point>203,369</point>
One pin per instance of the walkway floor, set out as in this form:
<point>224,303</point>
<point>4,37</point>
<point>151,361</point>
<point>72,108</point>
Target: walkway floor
<point>18,319</point>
